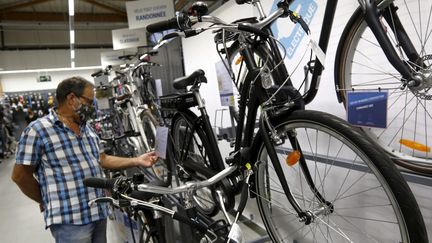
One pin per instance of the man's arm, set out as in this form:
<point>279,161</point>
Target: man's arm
<point>114,162</point>
<point>22,175</point>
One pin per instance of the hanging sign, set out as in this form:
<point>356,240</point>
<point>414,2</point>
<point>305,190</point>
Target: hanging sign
<point>225,85</point>
<point>126,38</point>
<point>145,12</point>
<point>367,109</point>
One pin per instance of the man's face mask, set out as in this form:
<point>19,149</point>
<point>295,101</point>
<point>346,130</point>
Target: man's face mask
<point>86,111</point>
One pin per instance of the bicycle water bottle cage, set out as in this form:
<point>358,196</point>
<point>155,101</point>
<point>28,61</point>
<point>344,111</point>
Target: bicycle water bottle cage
<point>196,77</point>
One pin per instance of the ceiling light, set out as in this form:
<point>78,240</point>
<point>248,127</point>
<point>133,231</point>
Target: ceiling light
<point>72,36</point>
<point>72,54</point>
<point>71,7</point>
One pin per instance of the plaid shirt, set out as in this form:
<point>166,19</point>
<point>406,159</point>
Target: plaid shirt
<point>62,161</point>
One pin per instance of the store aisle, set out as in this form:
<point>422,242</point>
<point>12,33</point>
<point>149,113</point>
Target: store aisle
<point>20,219</point>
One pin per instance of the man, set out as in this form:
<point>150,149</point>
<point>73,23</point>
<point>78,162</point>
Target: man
<point>61,150</point>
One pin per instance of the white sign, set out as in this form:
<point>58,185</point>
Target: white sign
<point>161,141</point>
<point>225,85</point>
<point>145,12</point>
<point>126,38</point>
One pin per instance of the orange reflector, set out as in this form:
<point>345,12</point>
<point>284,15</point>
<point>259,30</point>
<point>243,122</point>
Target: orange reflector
<point>414,145</point>
<point>239,60</point>
<point>293,157</point>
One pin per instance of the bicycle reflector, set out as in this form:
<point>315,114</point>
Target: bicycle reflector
<point>414,145</point>
<point>293,157</point>
<point>239,60</point>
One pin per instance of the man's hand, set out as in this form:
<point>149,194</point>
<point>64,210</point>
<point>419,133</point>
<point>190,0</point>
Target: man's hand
<point>41,207</point>
<point>147,159</point>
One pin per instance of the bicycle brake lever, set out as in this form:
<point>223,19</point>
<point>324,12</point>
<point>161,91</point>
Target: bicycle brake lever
<point>102,200</point>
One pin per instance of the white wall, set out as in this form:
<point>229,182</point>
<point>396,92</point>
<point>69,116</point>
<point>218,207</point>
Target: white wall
<point>44,59</point>
<point>199,52</point>
<point>28,81</point>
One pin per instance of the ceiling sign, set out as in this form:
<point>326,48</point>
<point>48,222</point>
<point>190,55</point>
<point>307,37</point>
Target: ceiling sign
<point>126,38</point>
<point>145,12</point>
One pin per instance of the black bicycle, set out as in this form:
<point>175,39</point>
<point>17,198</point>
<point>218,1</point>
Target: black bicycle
<point>314,176</point>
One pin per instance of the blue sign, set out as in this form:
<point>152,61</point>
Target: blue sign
<point>367,109</point>
<point>307,10</point>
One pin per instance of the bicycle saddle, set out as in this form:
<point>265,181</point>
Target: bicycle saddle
<point>196,77</point>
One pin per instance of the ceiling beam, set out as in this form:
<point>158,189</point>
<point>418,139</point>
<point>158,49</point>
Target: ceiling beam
<point>22,5</point>
<point>60,17</point>
<point>102,5</point>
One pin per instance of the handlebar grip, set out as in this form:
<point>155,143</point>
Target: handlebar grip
<point>97,73</point>
<point>163,25</point>
<point>240,2</point>
<point>99,182</point>
<point>180,22</point>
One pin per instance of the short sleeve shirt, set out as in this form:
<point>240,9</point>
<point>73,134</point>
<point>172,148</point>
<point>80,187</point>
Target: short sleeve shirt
<point>62,160</point>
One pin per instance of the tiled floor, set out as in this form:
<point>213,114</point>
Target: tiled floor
<point>21,221</point>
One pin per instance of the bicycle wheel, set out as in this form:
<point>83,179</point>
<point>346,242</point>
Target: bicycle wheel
<point>361,65</point>
<point>190,145</point>
<point>370,200</point>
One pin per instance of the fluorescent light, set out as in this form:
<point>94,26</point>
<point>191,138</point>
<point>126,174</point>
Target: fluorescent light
<point>72,36</point>
<point>50,70</point>
<point>71,7</point>
<point>72,64</point>
<point>72,54</point>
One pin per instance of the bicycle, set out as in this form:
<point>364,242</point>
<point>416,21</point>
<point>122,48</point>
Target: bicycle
<point>132,125</point>
<point>296,202</point>
<point>383,48</point>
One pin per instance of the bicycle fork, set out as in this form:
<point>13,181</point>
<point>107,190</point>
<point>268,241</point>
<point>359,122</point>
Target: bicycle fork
<point>271,138</point>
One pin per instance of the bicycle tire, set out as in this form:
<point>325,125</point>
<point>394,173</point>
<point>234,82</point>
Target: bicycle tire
<point>374,178</point>
<point>180,132</point>
<point>361,65</point>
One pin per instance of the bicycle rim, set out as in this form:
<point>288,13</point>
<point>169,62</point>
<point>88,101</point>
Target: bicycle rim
<point>364,204</point>
<point>189,146</point>
<point>364,67</point>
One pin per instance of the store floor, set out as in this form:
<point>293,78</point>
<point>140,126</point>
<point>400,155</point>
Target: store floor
<point>21,222</point>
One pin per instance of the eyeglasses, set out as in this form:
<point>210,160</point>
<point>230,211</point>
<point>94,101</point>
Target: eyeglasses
<point>88,100</point>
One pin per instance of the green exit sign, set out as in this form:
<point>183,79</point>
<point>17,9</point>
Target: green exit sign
<point>44,78</point>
